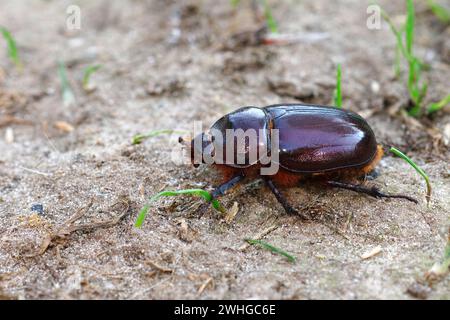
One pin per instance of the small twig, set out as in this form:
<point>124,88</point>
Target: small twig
<point>10,120</point>
<point>336,230</point>
<point>348,222</point>
<point>204,285</point>
<point>371,253</point>
<point>229,217</point>
<point>101,273</point>
<point>142,293</point>
<point>158,267</point>
<point>35,171</point>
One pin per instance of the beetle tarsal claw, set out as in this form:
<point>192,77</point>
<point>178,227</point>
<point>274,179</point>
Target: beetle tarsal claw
<point>372,191</point>
<point>378,194</point>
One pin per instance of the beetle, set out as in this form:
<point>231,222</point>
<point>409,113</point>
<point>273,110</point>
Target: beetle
<point>315,143</point>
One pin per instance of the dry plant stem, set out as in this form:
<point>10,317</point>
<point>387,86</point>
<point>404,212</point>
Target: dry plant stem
<point>11,120</point>
<point>209,281</point>
<point>158,267</point>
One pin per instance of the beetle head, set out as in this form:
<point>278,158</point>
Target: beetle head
<point>200,148</point>
<point>239,139</point>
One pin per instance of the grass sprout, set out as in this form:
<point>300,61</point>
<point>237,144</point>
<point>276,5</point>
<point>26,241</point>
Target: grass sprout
<point>434,107</point>
<point>13,52</point>
<point>139,138</point>
<point>272,248</point>
<point>416,167</point>
<point>398,55</point>
<point>442,268</point>
<point>417,87</point>
<point>270,20</point>
<point>87,76</point>
<point>337,94</point>
<point>417,90</point>
<point>191,192</point>
<point>67,93</point>
<point>235,3</point>
<point>271,23</point>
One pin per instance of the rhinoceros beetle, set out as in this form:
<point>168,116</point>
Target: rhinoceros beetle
<point>315,143</point>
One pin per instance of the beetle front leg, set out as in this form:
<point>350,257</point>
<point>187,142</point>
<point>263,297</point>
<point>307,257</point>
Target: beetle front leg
<point>220,190</point>
<point>371,191</point>
<point>282,200</point>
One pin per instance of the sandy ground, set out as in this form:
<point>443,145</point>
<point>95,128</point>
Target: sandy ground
<point>166,64</point>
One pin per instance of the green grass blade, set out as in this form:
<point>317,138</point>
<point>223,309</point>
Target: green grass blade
<point>191,192</point>
<point>413,79</point>
<point>67,94</point>
<point>142,214</point>
<point>397,66</point>
<point>415,110</point>
<point>337,99</point>
<point>87,75</point>
<point>399,37</point>
<point>234,3</point>
<point>139,138</point>
<point>417,91</point>
<point>417,96</point>
<point>271,23</point>
<point>270,20</point>
<point>409,40</point>
<point>397,34</point>
<point>13,52</point>
<point>447,253</point>
<point>439,11</point>
<point>271,248</point>
<point>416,167</point>
<point>423,93</point>
<point>434,107</point>
<point>442,268</point>
<point>409,31</point>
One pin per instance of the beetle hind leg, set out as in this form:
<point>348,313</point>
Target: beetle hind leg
<point>371,191</point>
<point>282,200</point>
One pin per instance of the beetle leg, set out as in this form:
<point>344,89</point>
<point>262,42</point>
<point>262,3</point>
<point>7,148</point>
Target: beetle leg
<point>220,190</point>
<point>371,191</point>
<point>282,200</point>
<point>372,175</point>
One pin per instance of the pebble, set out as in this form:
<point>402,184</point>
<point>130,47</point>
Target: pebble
<point>9,135</point>
<point>375,86</point>
<point>39,208</point>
